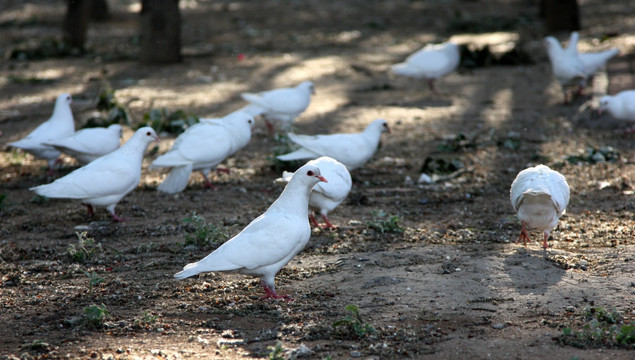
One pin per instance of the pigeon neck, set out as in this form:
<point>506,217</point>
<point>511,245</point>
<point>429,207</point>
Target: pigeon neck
<point>62,112</point>
<point>294,199</point>
<point>372,136</point>
<point>135,147</point>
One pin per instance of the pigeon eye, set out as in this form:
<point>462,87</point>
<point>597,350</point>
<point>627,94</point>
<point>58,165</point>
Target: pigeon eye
<point>68,98</point>
<point>148,133</point>
<point>310,173</point>
<point>249,121</point>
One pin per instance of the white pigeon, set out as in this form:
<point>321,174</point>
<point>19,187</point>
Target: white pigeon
<point>565,63</point>
<point>106,180</point>
<point>279,105</point>
<point>431,62</point>
<point>271,240</point>
<point>540,196</point>
<point>352,150</point>
<point>88,144</point>
<point>202,147</point>
<point>60,124</point>
<point>621,106</point>
<point>327,196</point>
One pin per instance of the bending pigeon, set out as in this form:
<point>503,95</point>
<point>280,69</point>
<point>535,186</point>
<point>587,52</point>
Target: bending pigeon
<point>430,63</point>
<point>565,63</point>
<point>271,240</point>
<point>202,147</point>
<point>621,106</point>
<point>540,196</point>
<point>353,150</point>
<point>60,124</point>
<point>327,196</point>
<point>106,180</point>
<point>87,145</point>
<point>279,105</point>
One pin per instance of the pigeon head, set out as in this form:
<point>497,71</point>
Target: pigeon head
<point>605,102</point>
<point>116,128</point>
<point>64,99</point>
<point>380,124</point>
<point>307,85</point>
<point>552,45</point>
<point>147,134</point>
<point>310,174</point>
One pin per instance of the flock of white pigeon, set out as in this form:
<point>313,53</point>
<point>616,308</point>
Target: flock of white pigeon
<point>538,194</point>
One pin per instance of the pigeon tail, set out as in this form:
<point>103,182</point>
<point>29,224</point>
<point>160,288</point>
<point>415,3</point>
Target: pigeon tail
<point>298,155</point>
<point>188,270</point>
<point>176,180</point>
<point>253,110</point>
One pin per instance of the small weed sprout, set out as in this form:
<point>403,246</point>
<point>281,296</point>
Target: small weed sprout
<point>146,321</point>
<point>95,315</point>
<point>200,234</point>
<point>384,223</point>
<point>93,280</point>
<point>85,249</point>
<point>277,352</point>
<point>353,324</point>
<point>603,328</point>
<point>283,146</point>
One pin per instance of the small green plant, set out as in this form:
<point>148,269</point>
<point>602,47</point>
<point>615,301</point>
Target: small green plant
<point>200,234</point>
<point>145,321</point>
<point>39,199</point>
<point>277,352</point>
<point>16,158</point>
<point>603,327</point>
<point>164,120</point>
<point>353,324</point>
<point>384,223</point>
<point>107,102</point>
<point>84,250</point>
<point>95,315</point>
<point>283,145</point>
<point>93,280</point>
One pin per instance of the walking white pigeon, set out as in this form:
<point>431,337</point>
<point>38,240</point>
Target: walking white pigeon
<point>540,196</point>
<point>88,144</point>
<point>621,106</point>
<point>565,63</point>
<point>352,150</point>
<point>279,105</point>
<point>106,180</point>
<point>60,124</point>
<point>327,196</point>
<point>202,147</point>
<point>271,240</point>
<point>431,62</point>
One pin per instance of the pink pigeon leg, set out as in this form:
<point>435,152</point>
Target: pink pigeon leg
<point>327,223</point>
<point>433,88</point>
<point>270,293</point>
<point>208,184</point>
<point>523,235</point>
<point>90,210</point>
<point>222,170</point>
<point>312,220</point>
<point>544,240</point>
<point>115,218</point>
<point>270,127</point>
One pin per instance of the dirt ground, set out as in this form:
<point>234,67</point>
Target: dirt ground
<point>453,284</point>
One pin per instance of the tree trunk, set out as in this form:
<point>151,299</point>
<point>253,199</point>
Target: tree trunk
<point>560,15</point>
<point>99,10</point>
<point>76,23</point>
<point>160,32</point>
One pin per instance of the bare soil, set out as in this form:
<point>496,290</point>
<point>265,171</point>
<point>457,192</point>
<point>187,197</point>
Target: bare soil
<point>453,284</point>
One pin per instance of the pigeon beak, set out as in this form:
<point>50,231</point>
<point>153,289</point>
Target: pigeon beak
<point>388,128</point>
<point>322,178</point>
<point>157,139</point>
